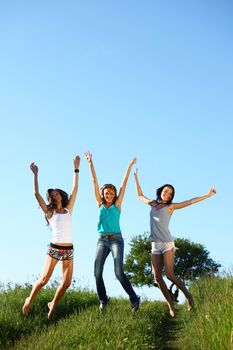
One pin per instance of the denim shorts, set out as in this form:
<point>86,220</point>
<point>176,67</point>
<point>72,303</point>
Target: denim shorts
<point>61,252</point>
<point>162,247</point>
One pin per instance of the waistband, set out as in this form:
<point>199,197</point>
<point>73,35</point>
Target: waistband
<point>64,247</point>
<point>110,235</point>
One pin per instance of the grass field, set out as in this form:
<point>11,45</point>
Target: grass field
<point>77,323</point>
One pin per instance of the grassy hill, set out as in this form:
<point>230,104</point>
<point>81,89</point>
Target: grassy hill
<point>77,324</point>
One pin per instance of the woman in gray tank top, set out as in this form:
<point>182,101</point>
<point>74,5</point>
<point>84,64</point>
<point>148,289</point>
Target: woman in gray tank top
<point>163,247</point>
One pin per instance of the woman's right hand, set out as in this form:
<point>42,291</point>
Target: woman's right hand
<point>88,156</point>
<point>34,168</point>
<point>133,161</point>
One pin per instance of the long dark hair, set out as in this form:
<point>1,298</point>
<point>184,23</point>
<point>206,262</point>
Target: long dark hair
<point>112,187</point>
<point>160,190</point>
<point>52,204</point>
<point>64,195</point>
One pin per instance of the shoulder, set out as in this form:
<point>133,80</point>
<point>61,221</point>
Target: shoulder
<point>117,207</point>
<point>101,208</point>
<point>49,213</point>
<point>170,208</point>
<point>153,203</point>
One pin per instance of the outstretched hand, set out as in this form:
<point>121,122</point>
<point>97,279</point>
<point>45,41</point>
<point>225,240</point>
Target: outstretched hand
<point>133,161</point>
<point>34,168</point>
<point>76,162</point>
<point>88,156</point>
<point>212,192</point>
<point>136,172</point>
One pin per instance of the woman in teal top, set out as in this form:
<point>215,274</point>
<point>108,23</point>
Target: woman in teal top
<point>109,219</point>
<point>110,238</point>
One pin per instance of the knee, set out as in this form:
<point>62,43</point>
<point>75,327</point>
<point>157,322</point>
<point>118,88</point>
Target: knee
<point>119,273</point>
<point>170,276</point>
<point>158,278</point>
<point>43,280</point>
<point>66,284</point>
<point>98,274</point>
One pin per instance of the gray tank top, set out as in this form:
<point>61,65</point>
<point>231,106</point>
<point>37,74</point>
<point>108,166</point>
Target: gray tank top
<point>159,225</point>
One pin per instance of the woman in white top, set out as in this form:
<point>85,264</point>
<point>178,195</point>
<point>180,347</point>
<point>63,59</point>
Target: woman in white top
<point>58,214</point>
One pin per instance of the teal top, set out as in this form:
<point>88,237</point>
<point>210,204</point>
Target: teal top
<point>109,219</point>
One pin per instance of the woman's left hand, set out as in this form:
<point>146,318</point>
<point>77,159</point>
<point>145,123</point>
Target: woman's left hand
<point>76,162</point>
<point>211,192</point>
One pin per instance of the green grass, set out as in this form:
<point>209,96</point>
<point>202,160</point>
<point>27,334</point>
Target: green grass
<point>15,326</point>
<point>209,326</point>
<point>77,323</point>
<point>117,328</point>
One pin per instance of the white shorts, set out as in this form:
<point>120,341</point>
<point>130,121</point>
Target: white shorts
<point>162,247</point>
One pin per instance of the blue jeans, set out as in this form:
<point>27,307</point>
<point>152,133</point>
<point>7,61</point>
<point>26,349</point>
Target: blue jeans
<point>115,245</point>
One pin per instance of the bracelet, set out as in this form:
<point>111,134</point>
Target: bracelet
<point>76,170</point>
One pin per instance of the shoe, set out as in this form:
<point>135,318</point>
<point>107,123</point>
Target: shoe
<point>103,305</point>
<point>135,305</point>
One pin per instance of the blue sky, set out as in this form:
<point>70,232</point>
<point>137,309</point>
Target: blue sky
<point>151,79</point>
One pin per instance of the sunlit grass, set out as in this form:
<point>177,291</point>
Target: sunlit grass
<point>210,325</point>
<point>117,328</point>
<point>14,326</point>
<point>77,323</point>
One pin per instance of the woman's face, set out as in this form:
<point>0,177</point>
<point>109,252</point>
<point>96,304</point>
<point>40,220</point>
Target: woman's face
<point>166,194</point>
<point>109,195</point>
<point>55,196</point>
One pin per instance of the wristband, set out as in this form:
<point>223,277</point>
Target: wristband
<point>76,170</point>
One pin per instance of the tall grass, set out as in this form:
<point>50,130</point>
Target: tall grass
<point>117,328</point>
<point>77,323</point>
<point>209,326</point>
<point>14,326</point>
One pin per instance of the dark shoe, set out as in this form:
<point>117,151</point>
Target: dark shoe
<point>135,305</point>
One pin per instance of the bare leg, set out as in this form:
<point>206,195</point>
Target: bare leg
<point>157,264</point>
<point>40,283</point>
<point>169,270</point>
<point>67,272</point>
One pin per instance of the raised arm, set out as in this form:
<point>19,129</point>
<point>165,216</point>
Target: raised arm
<point>40,200</point>
<point>74,191</point>
<point>88,157</point>
<point>124,183</point>
<point>184,204</point>
<point>139,190</point>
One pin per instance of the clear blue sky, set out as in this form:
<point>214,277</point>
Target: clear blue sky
<point>151,79</point>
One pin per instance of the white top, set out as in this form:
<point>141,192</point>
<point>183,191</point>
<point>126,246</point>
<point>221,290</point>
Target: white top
<point>61,227</point>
